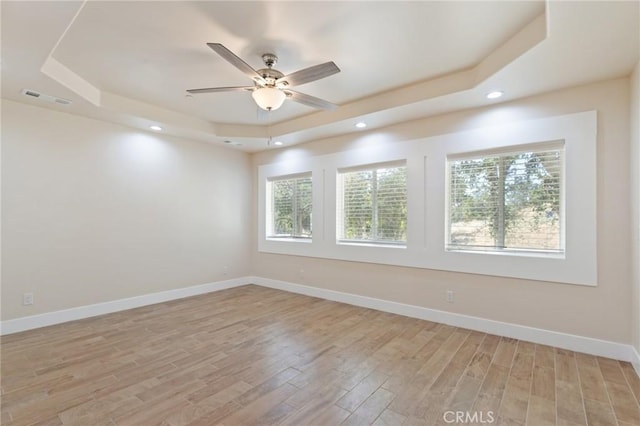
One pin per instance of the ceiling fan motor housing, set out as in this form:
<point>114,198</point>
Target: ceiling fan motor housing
<point>269,59</point>
<point>270,75</point>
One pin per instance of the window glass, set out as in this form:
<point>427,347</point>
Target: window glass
<point>372,205</point>
<point>506,201</point>
<point>290,207</point>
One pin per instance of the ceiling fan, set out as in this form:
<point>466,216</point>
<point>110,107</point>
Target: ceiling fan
<point>270,86</point>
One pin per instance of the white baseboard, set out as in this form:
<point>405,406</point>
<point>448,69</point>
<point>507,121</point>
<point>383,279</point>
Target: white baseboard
<point>80,312</point>
<point>635,360</point>
<point>571,342</point>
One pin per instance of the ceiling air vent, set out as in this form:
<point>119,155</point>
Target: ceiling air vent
<point>47,98</point>
<point>31,93</point>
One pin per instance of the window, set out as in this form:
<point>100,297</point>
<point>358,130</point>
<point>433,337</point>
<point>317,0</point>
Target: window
<point>513,200</point>
<point>289,209</point>
<point>507,201</point>
<point>372,204</point>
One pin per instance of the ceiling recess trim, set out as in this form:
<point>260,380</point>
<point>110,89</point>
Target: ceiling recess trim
<point>71,80</point>
<point>179,124</point>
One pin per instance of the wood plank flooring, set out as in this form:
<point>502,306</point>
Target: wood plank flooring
<point>257,356</point>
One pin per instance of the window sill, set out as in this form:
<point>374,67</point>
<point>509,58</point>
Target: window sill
<point>371,244</point>
<point>302,240</point>
<point>511,252</point>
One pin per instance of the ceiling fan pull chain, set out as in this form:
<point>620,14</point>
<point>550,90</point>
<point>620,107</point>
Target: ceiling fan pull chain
<point>269,127</point>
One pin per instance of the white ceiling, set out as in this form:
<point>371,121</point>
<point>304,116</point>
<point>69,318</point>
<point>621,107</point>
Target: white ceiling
<point>131,62</point>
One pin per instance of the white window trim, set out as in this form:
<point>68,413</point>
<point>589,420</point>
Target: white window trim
<point>293,246</point>
<point>426,161</point>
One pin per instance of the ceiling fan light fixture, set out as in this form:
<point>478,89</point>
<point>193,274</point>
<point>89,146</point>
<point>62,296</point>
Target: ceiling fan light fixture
<point>269,98</point>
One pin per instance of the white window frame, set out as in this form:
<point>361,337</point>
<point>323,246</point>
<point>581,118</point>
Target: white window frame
<point>292,246</point>
<point>340,199</point>
<point>518,149</point>
<point>269,223</point>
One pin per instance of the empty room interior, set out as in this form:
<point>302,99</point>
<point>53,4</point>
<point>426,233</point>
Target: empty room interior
<point>320,213</point>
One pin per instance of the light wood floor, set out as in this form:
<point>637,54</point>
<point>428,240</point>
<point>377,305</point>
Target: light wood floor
<point>252,355</point>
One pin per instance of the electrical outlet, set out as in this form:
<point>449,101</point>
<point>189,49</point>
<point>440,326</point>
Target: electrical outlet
<point>225,270</point>
<point>450,296</point>
<point>301,273</point>
<point>27,299</point>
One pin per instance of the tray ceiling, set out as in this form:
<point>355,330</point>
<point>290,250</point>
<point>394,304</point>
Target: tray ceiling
<point>131,62</point>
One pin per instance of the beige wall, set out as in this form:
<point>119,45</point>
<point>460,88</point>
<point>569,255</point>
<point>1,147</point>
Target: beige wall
<point>93,212</point>
<point>602,312</point>
<point>635,200</point>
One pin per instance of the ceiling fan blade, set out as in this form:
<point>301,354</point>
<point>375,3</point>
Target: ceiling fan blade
<point>221,89</point>
<point>310,74</point>
<point>311,101</point>
<point>234,60</point>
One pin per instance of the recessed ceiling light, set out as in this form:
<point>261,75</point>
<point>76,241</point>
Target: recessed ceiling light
<point>278,143</point>
<point>156,128</point>
<point>494,95</point>
<point>361,125</point>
